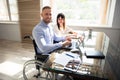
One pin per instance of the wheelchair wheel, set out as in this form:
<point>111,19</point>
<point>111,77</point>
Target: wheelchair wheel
<point>34,69</point>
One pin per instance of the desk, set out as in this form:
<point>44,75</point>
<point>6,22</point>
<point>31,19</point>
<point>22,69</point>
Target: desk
<point>86,71</point>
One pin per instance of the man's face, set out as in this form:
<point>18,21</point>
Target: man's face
<point>46,14</point>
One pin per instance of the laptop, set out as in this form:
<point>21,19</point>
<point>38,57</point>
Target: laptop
<point>94,54</point>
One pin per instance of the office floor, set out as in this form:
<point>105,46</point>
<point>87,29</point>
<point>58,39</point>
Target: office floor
<point>12,57</point>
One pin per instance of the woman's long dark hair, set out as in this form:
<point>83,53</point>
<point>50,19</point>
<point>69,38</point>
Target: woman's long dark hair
<point>63,17</point>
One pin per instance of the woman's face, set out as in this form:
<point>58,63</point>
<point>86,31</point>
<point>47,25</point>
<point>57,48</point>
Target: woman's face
<point>61,20</point>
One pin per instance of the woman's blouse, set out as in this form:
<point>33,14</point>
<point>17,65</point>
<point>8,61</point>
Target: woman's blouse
<point>62,32</point>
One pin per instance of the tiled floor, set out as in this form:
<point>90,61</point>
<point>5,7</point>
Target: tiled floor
<point>12,57</point>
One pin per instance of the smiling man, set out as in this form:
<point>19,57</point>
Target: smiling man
<point>44,35</point>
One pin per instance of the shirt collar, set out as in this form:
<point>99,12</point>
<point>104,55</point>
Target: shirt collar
<point>44,24</point>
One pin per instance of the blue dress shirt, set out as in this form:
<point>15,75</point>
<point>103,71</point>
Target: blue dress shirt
<point>44,37</point>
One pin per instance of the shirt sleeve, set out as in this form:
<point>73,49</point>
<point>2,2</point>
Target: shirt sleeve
<point>43,46</point>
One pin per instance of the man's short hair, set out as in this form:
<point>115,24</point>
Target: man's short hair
<point>46,7</point>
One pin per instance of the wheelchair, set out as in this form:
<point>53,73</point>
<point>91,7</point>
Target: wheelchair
<point>34,68</point>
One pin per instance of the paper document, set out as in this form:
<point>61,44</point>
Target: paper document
<point>65,57</point>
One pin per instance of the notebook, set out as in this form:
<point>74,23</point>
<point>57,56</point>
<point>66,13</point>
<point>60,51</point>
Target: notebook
<point>94,54</point>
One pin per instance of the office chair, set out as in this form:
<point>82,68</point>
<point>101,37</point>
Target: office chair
<point>35,66</point>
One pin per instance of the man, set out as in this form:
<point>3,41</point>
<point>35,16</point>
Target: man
<point>44,35</point>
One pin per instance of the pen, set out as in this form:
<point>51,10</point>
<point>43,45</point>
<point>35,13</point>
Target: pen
<point>70,55</point>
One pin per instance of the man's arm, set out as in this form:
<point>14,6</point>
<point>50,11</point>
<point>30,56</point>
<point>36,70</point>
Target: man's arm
<point>42,45</point>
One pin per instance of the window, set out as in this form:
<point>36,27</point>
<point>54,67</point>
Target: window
<point>82,13</point>
<point>8,10</point>
<point>79,12</point>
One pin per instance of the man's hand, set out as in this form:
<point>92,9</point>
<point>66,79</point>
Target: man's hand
<point>66,43</point>
<point>68,38</point>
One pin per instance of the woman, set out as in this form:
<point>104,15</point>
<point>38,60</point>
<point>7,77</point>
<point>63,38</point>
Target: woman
<point>61,29</point>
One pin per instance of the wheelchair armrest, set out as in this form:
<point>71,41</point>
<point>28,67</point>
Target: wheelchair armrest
<point>42,58</point>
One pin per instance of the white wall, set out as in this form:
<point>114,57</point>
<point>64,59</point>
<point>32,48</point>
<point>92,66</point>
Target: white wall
<point>116,21</point>
<point>10,31</point>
